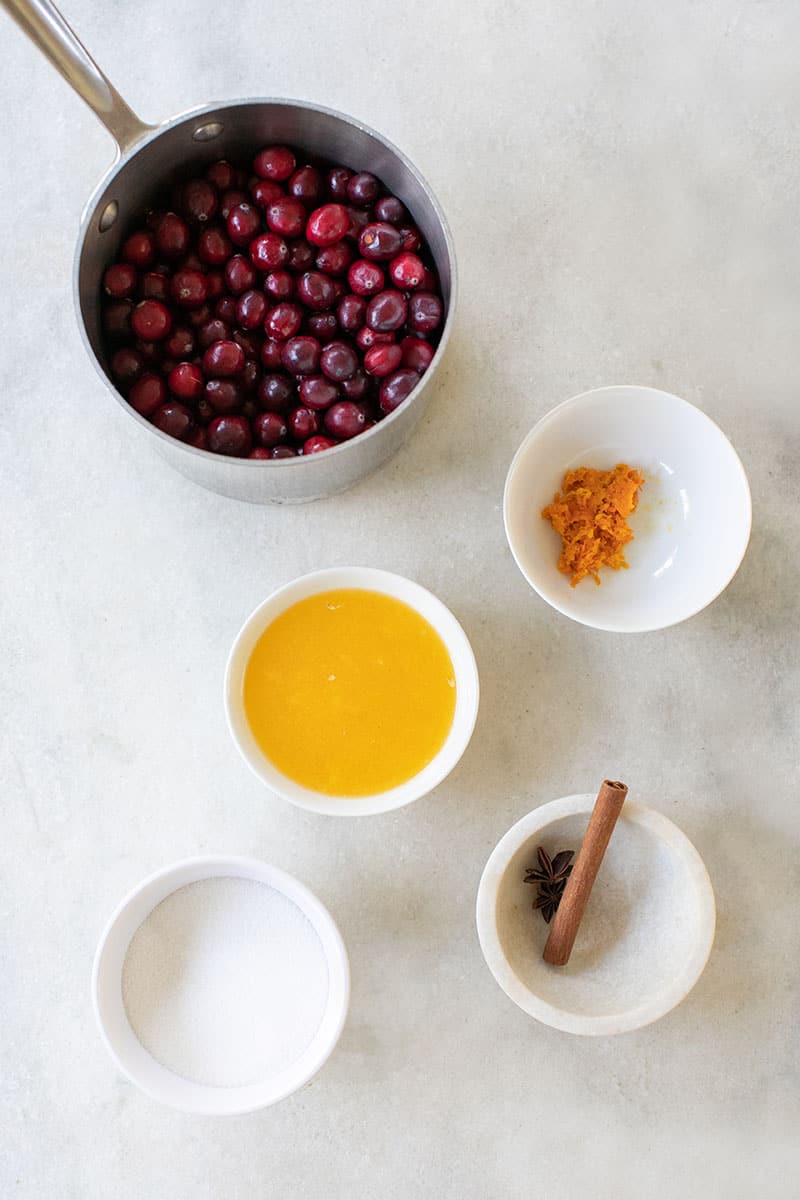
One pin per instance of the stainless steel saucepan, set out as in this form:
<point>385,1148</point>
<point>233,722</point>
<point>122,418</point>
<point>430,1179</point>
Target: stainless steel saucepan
<point>150,156</point>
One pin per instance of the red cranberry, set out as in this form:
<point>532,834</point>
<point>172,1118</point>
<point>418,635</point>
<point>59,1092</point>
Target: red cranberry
<point>287,216</point>
<point>251,375</point>
<point>424,312</point>
<point>365,278</point>
<point>275,392</point>
<point>284,320</point>
<point>230,435</point>
<point>174,419</point>
<point>147,394</point>
<point>259,452</point>
<point>357,387</point>
<point>303,423</point>
<point>323,326</point>
<point>381,360</point>
<point>230,200</point>
<point>265,191</point>
<point>407,271</point>
<point>223,358</point>
<point>390,209</point>
<point>362,189</point>
<point>315,445</point>
<point>338,179</point>
<point>119,281</point>
<point>279,285</point>
<point>380,241</point>
<point>214,330</point>
<point>215,284</point>
<point>139,249</point>
<point>221,174</point>
<point>417,354</point>
<point>239,274</point>
<point>411,238</point>
<point>339,361</point>
<point>366,338</point>
<point>339,289</point>
<point>190,263</point>
<point>345,419</point>
<point>327,225</point>
<point>189,289</point>
<point>126,365</point>
<point>301,355</point>
<point>274,162</point>
<point>359,219</point>
<point>301,255</point>
<point>199,439</point>
<point>317,392</point>
<point>155,286</point>
<point>150,320</point>
<point>335,260</point>
<point>316,290</point>
<point>186,381</point>
<point>268,252</point>
<point>269,428</point>
<point>172,236</point>
<point>223,395</point>
<point>204,409</point>
<point>244,223</point>
<point>283,452</point>
<point>199,200</point>
<point>198,316</point>
<point>395,388</point>
<point>214,247</point>
<point>387,311</point>
<point>225,309</point>
<point>250,340</point>
<point>151,352</point>
<point>306,185</point>
<point>271,350</point>
<point>251,309</point>
<point>351,313</point>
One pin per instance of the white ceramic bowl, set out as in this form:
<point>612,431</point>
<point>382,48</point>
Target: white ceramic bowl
<point>645,936</point>
<point>122,1043</point>
<point>691,526</point>
<point>434,612</point>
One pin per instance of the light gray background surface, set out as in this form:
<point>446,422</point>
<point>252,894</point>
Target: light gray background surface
<point>622,182</point>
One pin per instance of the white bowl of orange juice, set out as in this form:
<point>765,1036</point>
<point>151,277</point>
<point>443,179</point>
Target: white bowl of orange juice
<point>351,691</point>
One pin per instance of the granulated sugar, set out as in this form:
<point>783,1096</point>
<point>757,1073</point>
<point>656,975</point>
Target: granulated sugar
<point>225,982</point>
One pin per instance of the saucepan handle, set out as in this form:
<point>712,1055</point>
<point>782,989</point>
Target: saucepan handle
<point>48,30</point>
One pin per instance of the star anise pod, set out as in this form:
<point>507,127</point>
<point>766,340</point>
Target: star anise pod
<point>551,875</point>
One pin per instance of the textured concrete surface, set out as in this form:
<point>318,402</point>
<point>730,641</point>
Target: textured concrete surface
<point>622,180</point>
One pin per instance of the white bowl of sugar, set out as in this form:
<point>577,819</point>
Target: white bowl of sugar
<point>220,985</point>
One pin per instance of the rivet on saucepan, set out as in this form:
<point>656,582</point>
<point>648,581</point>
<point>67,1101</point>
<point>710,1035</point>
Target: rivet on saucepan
<point>205,133</point>
<point>108,216</point>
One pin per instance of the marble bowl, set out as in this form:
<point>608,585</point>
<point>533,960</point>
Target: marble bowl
<point>644,939</point>
<point>691,526</point>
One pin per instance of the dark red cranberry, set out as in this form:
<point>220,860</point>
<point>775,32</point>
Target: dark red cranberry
<point>225,309</point>
<point>172,236</point>
<point>357,386</point>
<point>284,320</point>
<point>339,289</point>
<point>264,191</point>
<point>126,365</point>
<point>334,260</point>
<point>275,392</point>
<point>251,375</point>
<point>204,409</point>
<point>230,435</point>
<point>244,222</point>
<point>424,312</point>
<point>250,340</point>
<point>271,353</point>
<point>366,338</point>
<point>315,445</point>
<point>147,394</point>
<point>199,201</point>
<point>174,419</point>
<point>269,428</point>
<point>323,326</point>
<point>190,262</point>
<point>387,311</point>
<point>303,423</point>
<point>150,320</point>
<point>380,241</point>
<point>154,286</point>
<point>317,392</point>
<point>412,239</point>
<point>327,225</point>
<point>198,316</point>
<point>345,419</point>
<point>224,395</point>
<point>283,452</point>
<point>274,162</point>
<point>339,361</point>
<point>381,360</point>
<point>186,381</point>
<point>239,274</point>
<point>251,309</point>
<point>407,271</point>
<point>316,290</point>
<point>301,255</point>
<point>417,354</point>
<point>119,281</point>
<point>151,352</point>
<point>306,185</point>
<point>359,219</point>
<point>287,216</point>
<point>223,358</point>
<point>139,249</point>
<point>269,252</point>
<point>395,388</point>
<point>221,174</point>
<point>211,331</point>
<point>362,189</point>
<point>352,313</point>
<point>230,200</point>
<point>215,284</point>
<point>338,179</point>
<point>365,278</point>
<point>390,209</point>
<point>189,289</point>
<point>260,452</point>
<point>279,284</point>
<point>214,247</point>
<point>199,439</point>
<point>301,355</point>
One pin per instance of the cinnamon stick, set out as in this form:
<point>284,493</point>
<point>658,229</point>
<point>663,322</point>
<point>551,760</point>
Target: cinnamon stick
<point>569,914</point>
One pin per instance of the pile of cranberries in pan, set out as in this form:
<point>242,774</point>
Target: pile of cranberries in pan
<point>271,314</point>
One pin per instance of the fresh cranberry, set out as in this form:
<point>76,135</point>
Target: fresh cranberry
<point>395,388</point>
<point>287,216</point>
<point>213,330</point>
<point>301,355</point>
<point>190,262</point>
<point>390,209</point>
<point>151,352</point>
<point>225,309</point>
<point>230,200</point>
<point>316,290</point>
<point>327,225</point>
<point>339,289</point>
<point>174,419</point>
<point>222,174</point>
<point>181,343</point>
<point>351,313</point>
<point>339,361</point>
<point>366,338</point>
<point>301,255</point>
<point>279,284</point>
<point>283,452</point>
<point>243,224</point>
<point>186,381</point>
<point>412,239</point>
<point>199,201</point>
<point>215,284</point>
<point>424,312</point>
<point>172,236</point>
<point>322,325</point>
<point>198,316</point>
<point>306,185</point>
<point>271,350</point>
<point>154,286</point>
<point>126,365</point>
<point>357,386</point>
<point>204,409</point>
<point>230,435</point>
<point>381,360</point>
<point>283,321</point>
<point>380,241</point>
<point>359,219</point>
<point>362,189</point>
<point>251,375</point>
<point>407,271</point>
<point>303,423</point>
<point>199,439</point>
<point>147,394</point>
<point>315,445</point>
<point>268,252</point>
<point>274,162</point>
<point>189,289</point>
<point>365,278</point>
<point>259,452</point>
<point>275,392</point>
<point>239,274</point>
<point>334,260</point>
<point>417,354</point>
<point>345,419</point>
<point>119,281</point>
<point>250,340</point>
<point>214,247</point>
<point>338,179</point>
<point>251,309</point>
<point>139,249</point>
<point>265,191</point>
<point>224,395</point>
<point>317,392</point>
<point>223,358</point>
<point>387,311</point>
<point>150,320</point>
<point>269,428</point>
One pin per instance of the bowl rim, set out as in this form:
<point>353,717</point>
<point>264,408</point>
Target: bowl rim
<point>610,626</point>
<point>214,1100</point>
<point>431,609</point>
<point>565,1020</point>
